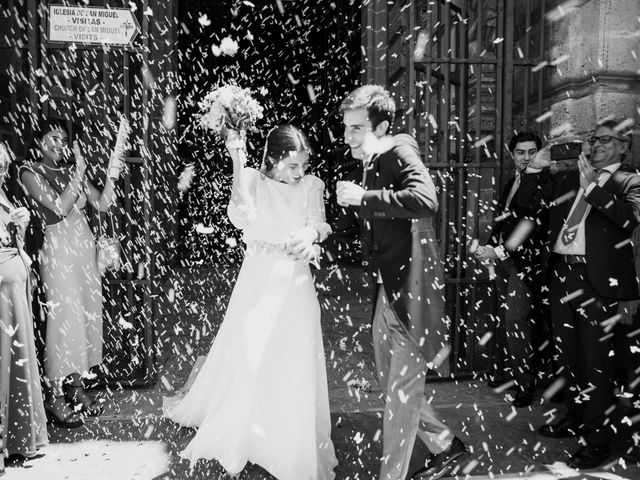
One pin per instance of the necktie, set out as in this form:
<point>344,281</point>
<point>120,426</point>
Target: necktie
<point>366,165</point>
<point>514,189</point>
<point>574,220</point>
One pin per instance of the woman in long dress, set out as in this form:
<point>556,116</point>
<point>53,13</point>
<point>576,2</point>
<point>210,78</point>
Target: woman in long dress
<point>58,186</point>
<point>23,427</point>
<point>261,395</point>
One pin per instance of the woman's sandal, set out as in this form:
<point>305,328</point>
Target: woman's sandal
<point>76,395</point>
<point>56,407</point>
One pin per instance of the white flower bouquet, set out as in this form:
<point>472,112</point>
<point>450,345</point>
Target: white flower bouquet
<point>229,108</point>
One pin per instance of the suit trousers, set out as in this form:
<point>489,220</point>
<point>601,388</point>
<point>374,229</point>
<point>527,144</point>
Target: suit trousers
<point>515,305</point>
<point>402,373</point>
<point>583,346</point>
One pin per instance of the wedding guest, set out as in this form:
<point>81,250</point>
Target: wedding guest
<point>59,189</point>
<point>589,266</point>
<point>518,271</point>
<point>32,246</point>
<point>23,426</point>
<point>394,203</point>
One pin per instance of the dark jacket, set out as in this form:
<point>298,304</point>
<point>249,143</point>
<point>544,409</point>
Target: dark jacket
<point>398,235</point>
<point>614,215</point>
<point>527,257</point>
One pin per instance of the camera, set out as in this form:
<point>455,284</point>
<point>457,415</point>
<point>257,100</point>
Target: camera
<point>566,151</point>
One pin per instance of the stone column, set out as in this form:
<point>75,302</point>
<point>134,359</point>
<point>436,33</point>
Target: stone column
<point>596,44</point>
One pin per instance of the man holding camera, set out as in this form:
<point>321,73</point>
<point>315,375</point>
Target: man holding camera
<point>518,271</point>
<point>589,266</point>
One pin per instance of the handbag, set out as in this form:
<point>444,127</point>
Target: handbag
<point>108,249</point>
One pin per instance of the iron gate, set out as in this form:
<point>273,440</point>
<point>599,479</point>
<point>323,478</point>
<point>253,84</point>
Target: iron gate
<point>466,75</point>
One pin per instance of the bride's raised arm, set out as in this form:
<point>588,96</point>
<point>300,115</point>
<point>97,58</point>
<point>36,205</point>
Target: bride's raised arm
<point>241,209</point>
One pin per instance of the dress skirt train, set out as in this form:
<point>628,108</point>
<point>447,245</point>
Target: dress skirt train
<point>261,395</point>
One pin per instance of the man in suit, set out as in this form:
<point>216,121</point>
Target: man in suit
<point>395,204</point>
<point>589,268</point>
<point>518,272</point>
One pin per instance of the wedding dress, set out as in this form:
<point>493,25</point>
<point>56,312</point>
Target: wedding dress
<point>261,395</point>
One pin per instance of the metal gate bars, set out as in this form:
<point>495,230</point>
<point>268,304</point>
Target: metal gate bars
<point>466,75</point>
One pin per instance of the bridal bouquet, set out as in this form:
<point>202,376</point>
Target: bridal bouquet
<point>229,108</point>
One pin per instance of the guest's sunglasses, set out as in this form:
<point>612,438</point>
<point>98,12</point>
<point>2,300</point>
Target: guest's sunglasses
<point>604,139</point>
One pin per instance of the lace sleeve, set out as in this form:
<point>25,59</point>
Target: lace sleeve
<point>244,215</point>
<point>316,217</point>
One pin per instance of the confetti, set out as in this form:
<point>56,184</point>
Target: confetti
<point>571,296</point>
<point>204,20</point>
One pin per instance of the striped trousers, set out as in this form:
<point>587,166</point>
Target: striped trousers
<point>402,372</point>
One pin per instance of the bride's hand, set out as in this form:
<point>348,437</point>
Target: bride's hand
<point>305,252</point>
<point>234,140</point>
<point>301,243</point>
<point>303,235</point>
<point>236,145</point>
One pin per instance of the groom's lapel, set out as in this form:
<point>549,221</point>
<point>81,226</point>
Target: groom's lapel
<point>371,173</point>
<point>370,184</point>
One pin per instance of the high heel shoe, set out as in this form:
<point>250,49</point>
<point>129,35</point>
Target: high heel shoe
<point>59,413</point>
<point>77,396</point>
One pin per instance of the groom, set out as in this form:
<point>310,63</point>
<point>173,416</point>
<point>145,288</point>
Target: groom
<point>394,206</point>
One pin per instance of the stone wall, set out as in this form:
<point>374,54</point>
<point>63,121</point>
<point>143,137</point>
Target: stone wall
<point>597,43</point>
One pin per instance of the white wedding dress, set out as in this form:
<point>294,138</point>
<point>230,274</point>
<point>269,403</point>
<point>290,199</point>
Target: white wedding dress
<point>261,395</point>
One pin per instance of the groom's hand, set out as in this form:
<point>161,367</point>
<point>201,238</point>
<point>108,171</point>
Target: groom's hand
<point>349,193</point>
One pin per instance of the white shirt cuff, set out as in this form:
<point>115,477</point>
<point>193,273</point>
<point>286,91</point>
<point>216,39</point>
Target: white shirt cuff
<point>590,187</point>
<point>502,255</point>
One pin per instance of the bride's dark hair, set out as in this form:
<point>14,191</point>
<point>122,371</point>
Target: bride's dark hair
<point>282,140</point>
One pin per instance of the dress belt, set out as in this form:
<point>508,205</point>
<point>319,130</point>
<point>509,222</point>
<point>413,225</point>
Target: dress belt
<point>263,247</point>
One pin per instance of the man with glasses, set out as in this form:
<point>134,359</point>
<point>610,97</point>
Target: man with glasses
<point>589,267</point>
<point>518,282</point>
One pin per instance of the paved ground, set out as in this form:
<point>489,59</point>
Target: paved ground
<point>132,441</point>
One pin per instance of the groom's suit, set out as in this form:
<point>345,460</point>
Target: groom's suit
<point>398,235</point>
<point>409,327</point>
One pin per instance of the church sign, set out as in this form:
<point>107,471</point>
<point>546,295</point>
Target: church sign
<point>92,25</point>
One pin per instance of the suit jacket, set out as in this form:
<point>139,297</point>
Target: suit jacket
<point>614,214</point>
<point>526,258</point>
<point>398,236</point>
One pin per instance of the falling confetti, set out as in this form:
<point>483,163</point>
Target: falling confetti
<point>169,113</point>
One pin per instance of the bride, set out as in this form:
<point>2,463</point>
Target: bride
<point>261,395</point>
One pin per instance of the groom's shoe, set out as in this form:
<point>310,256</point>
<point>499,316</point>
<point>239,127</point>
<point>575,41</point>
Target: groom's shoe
<point>442,463</point>
<point>589,457</point>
